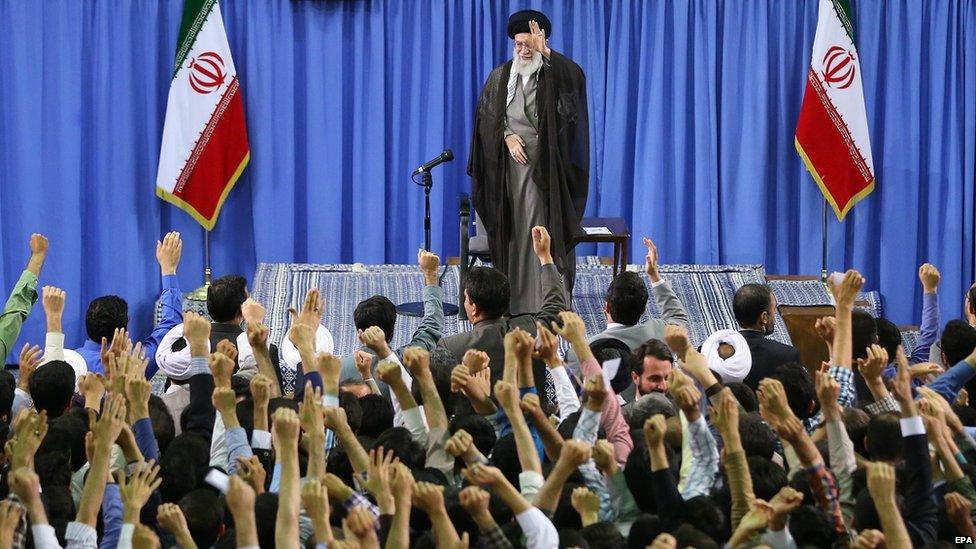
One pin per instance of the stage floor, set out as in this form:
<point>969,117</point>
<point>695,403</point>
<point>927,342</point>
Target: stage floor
<point>705,290</point>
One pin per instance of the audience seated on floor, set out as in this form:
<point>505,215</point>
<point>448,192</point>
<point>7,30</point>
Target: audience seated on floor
<point>645,441</point>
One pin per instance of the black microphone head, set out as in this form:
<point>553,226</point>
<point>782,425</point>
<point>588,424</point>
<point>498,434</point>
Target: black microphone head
<point>448,154</point>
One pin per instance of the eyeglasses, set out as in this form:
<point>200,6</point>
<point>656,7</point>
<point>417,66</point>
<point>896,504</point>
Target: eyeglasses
<point>522,45</point>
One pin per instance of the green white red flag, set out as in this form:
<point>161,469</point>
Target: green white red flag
<point>832,131</point>
<point>204,147</point>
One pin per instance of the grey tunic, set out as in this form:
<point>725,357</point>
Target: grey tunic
<point>528,205</point>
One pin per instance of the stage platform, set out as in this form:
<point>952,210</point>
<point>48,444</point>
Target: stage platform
<point>705,290</point>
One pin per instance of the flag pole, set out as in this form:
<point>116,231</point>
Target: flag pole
<point>823,243</point>
<point>200,294</point>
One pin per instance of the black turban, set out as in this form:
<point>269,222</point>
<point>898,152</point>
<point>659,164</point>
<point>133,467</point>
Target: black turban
<point>519,22</point>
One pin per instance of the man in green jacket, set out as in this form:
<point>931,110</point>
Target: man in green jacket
<point>23,296</point>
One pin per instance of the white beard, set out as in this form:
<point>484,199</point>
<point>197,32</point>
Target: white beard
<point>527,68</point>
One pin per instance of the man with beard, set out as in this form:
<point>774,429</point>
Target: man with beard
<point>529,160</point>
<point>754,306</point>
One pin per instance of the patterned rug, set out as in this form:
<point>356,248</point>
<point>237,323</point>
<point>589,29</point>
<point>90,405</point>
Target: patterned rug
<point>706,291</point>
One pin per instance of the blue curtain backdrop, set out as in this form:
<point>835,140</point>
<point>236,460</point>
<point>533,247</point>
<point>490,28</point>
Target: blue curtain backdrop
<point>693,105</point>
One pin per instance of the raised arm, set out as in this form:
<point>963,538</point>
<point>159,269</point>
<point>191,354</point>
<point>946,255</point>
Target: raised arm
<point>928,331</point>
<point>612,419</point>
<point>23,295</point>
<point>554,300</point>
<point>845,293</point>
<point>53,301</point>
<point>417,362</point>
<point>881,484</point>
<point>285,430</point>
<point>430,329</point>
<point>672,310</point>
<point>257,336</point>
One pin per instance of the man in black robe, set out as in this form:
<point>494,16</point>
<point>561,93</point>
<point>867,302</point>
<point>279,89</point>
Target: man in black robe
<point>529,162</point>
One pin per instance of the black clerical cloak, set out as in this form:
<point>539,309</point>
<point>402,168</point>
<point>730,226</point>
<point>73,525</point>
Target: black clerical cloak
<point>562,170</point>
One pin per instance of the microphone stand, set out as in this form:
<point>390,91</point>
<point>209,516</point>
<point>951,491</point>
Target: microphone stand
<point>416,308</point>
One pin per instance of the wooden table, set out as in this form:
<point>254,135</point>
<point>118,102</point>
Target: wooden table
<point>619,236</point>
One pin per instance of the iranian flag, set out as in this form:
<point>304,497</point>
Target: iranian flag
<point>832,132</point>
<point>204,147</point>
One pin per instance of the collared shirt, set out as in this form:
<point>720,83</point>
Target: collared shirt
<point>847,398</point>
<point>704,460</point>
<point>587,431</point>
<point>171,308</point>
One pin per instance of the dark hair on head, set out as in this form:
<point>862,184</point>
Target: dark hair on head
<point>971,294</point>
<point>74,426</point>
<point>812,527</point>
<point>184,465</point>
<point>645,529</point>
<point>265,516</point>
<point>627,298</point>
<point>889,336</point>
<point>53,459</point>
<point>856,424</point>
<point>572,537</point>
<point>651,348</point>
<point>884,441</point>
<point>462,521</point>
<point>505,456</point>
<point>339,465</point>
<point>489,289</point>
<point>702,513</point>
<point>565,516</point>
<point>105,315</point>
<point>162,422</point>
<point>689,536</point>
<point>758,438</point>
<point>745,395</point>
<point>602,535</point>
<point>864,332</point>
<point>966,414</point>
<point>768,477</point>
<point>281,402</point>
<point>377,415</point>
<point>801,394</point>
<point>441,365</point>
<point>225,296</point>
<point>7,386</point>
<point>60,508</point>
<point>51,387</point>
<point>481,430</point>
<point>637,473</point>
<point>245,416</point>
<point>376,311</point>
<point>354,412</point>
<point>204,515</point>
<point>401,442</point>
<point>750,302</point>
<point>958,341</point>
<point>609,348</point>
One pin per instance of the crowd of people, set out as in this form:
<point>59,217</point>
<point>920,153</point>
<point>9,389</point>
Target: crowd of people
<point>637,437</point>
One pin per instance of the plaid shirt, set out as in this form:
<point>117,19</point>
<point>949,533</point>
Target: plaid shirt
<point>827,496</point>
<point>359,500</point>
<point>704,460</point>
<point>847,397</point>
<point>887,404</point>
<point>587,430</point>
<point>494,538</point>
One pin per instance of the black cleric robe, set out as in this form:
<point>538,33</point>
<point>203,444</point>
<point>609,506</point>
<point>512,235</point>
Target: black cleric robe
<point>561,171</point>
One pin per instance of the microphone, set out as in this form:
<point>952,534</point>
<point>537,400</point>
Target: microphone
<point>445,156</point>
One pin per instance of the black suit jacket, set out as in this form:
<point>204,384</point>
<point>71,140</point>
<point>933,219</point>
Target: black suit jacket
<point>767,355</point>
